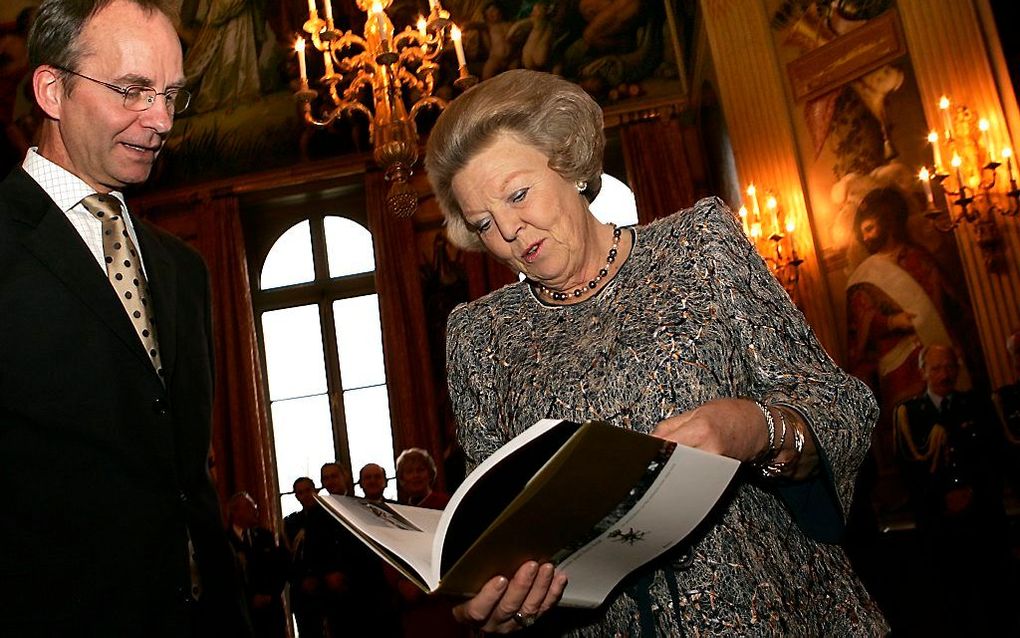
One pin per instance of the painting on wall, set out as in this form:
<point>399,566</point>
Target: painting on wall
<point>895,281</point>
<point>243,72</point>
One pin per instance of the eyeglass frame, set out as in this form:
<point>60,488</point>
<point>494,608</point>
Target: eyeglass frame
<point>124,90</point>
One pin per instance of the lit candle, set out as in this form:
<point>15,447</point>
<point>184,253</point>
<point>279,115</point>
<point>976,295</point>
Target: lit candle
<point>752,192</point>
<point>327,58</point>
<point>299,47</point>
<point>933,139</point>
<point>790,227</point>
<point>455,36</point>
<point>743,220</point>
<point>422,26</point>
<point>956,162</point>
<point>773,207</point>
<point>432,5</point>
<point>926,182</point>
<point>986,138</point>
<point>328,8</point>
<point>380,20</point>
<point>311,8</point>
<point>947,118</point>
<point>1008,154</point>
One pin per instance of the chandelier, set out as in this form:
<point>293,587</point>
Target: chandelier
<point>387,77</point>
<point>769,232</point>
<point>973,190</point>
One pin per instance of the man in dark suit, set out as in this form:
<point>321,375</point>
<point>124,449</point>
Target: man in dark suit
<point>111,525</point>
<point>263,564</point>
<point>951,450</point>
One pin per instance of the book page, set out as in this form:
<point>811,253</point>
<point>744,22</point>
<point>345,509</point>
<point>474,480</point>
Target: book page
<point>684,492</point>
<point>400,534</point>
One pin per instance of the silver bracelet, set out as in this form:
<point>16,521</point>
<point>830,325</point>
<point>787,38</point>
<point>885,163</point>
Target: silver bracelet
<point>774,468</point>
<point>770,423</point>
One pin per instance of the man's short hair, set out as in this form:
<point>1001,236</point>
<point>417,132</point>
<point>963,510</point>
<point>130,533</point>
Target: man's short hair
<point>55,36</point>
<point>302,479</point>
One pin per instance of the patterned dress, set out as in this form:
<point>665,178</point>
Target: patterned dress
<point>692,315</point>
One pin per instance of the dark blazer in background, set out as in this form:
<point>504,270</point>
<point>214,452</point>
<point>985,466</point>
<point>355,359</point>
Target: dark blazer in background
<point>103,470</point>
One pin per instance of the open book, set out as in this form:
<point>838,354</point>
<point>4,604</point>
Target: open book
<point>597,500</point>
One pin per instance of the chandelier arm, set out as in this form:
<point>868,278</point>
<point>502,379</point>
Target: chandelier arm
<point>430,100</point>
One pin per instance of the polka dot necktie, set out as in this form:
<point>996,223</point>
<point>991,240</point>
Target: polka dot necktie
<point>123,268</point>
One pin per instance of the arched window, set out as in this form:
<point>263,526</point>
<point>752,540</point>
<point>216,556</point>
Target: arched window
<point>319,326</point>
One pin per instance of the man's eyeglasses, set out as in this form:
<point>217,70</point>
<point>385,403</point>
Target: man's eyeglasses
<point>141,98</point>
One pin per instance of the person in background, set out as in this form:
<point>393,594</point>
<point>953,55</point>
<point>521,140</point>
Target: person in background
<point>1007,404</point>
<point>305,584</point>
<point>263,565</point>
<point>372,479</point>
<point>106,352</point>
<point>416,474</point>
<point>952,451</point>
<point>421,615</point>
<point>676,328</point>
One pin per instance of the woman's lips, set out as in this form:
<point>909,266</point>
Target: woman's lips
<point>531,254</point>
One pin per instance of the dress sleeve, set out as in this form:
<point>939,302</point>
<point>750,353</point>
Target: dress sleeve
<point>785,363</point>
<point>469,374</point>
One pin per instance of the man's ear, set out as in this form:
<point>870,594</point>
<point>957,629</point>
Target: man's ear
<point>49,90</point>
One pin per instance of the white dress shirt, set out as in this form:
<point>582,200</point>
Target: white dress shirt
<point>67,190</point>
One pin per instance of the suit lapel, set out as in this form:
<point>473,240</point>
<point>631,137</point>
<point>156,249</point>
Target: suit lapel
<point>54,241</point>
<point>162,280</point>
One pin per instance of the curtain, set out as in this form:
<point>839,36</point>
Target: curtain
<point>662,175</point>
<point>240,451</point>
<point>414,409</point>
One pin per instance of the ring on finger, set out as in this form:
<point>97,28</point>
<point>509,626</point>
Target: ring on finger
<point>524,620</point>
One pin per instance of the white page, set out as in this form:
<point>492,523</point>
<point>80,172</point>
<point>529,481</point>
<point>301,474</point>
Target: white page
<point>683,493</point>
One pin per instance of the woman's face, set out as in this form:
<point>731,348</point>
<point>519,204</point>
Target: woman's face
<point>415,478</point>
<point>526,214</point>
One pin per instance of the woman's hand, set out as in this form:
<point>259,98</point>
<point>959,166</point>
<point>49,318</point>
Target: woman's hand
<point>736,428</point>
<point>503,606</point>
<point>728,427</point>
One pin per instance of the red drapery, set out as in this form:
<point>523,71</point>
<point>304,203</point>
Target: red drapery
<point>662,174</point>
<point>414,410</point>
<point>241,454</point>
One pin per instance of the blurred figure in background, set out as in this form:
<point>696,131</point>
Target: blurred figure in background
<point>373,481</point>
<point>263,566</point>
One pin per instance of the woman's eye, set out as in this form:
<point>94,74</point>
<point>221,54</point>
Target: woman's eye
<point>519,196</point>
<point>482,226</point>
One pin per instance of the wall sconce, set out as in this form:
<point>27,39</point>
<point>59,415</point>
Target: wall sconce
<point>971,186</point>
<point>768,232</point>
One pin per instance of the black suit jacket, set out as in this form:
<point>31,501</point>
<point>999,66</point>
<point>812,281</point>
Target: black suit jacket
<point>103,469</point>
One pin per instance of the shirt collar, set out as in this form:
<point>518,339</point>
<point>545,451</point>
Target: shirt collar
<point>65,188</point>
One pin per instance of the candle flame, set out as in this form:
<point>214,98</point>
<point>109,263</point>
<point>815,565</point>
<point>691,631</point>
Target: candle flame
<point>455,33</point>
<point>751,190</point>
<point>742,212</point>
<point>790,227</point>
<point>376,7</point>
<point>982,125</point>
<point>933,137</point>
<point>1007,152</point>
<point>771,202</point>
<point>956,161</point>
<point>943,102</point>
<point>924,176</point>
<point>299,46</point>
<point>421,24</point>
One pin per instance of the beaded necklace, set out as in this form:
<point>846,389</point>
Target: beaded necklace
<point>558,295</point>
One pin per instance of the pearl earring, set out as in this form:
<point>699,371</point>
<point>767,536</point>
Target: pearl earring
<point>581,186</point>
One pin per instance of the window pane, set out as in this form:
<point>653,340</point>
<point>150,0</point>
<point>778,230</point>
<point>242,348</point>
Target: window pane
<point>290,259</point>
<point>615,203</point>
<point>359,341</point>
<point>303,435</point>
<point>294,354</point>
<point>369,434</point>
<point>348,247</point>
